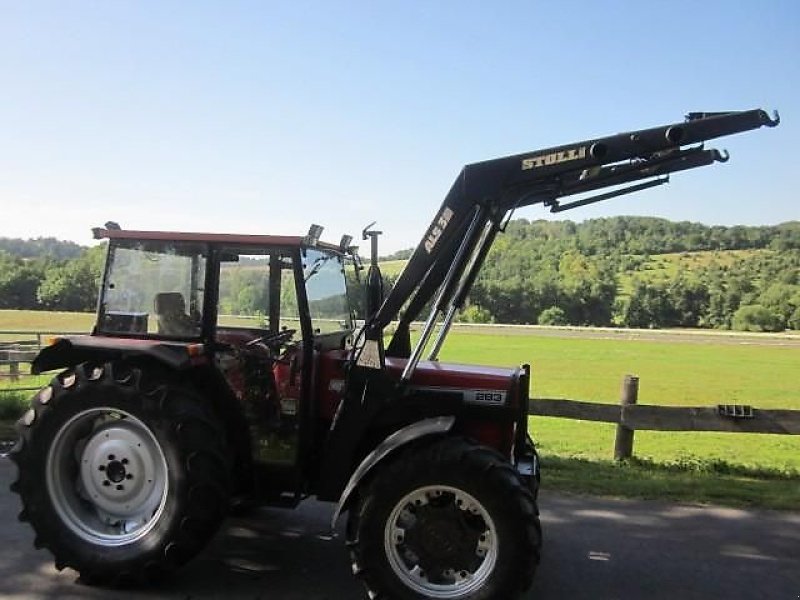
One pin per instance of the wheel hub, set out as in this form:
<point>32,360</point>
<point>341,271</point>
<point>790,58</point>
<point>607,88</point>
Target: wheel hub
<point>115,470</point>
<point>118,468</point>
<point>442,539</point>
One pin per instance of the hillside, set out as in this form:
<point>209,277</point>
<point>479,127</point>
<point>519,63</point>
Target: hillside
<point>639,272</point>
<point>40,248</point>
<point>662,268</point>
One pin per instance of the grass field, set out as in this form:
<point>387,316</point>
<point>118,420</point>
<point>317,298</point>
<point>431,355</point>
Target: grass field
<point>392,268</point>
<point>36,320</point>
<point>671,374</point>
<point>679,370</point>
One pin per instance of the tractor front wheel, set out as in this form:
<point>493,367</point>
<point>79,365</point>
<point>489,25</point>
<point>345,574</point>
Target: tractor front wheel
<point>448,520</point>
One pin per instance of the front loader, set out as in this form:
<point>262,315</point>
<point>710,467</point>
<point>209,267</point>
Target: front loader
<point>226,371</point>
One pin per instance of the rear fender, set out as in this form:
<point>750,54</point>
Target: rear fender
<point>400,438</point>
<point>72,350</point>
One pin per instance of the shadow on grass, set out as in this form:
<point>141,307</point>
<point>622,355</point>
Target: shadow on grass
<point>687,480</point>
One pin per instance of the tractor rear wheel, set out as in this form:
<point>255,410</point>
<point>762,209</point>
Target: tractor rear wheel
<point>122,475</point>
<point>448,520</point>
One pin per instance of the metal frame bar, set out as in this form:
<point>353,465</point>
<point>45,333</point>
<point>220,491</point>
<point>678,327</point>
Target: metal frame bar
<point>416,354</point>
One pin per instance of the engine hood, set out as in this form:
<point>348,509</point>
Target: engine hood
<point>454,376</point>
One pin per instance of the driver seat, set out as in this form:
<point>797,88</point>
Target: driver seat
<point>170,309</point>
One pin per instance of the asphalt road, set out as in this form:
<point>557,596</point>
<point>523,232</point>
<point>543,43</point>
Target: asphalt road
<point>595,548</point>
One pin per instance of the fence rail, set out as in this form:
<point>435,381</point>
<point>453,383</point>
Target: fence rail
<point>670,418</point>
<point>630,416</point>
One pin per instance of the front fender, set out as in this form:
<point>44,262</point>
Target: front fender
<point>399,438</point>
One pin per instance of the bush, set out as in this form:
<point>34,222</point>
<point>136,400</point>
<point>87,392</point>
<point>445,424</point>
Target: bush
<point>754,317</point>
<point>552,316</point>
<point>475,314</point>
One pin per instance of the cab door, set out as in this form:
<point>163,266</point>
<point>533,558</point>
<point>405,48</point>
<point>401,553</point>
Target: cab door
<point>259,331</point>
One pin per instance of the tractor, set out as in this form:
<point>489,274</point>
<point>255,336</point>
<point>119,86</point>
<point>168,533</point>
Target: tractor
<point>229,371</point>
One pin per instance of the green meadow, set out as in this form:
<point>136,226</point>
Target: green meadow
<point>676,369</point>
<point>671,373</point>
<point>38,320</point>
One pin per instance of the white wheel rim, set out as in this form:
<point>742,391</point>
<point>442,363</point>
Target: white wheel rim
<point>106,476</point>
<point>408,536</point>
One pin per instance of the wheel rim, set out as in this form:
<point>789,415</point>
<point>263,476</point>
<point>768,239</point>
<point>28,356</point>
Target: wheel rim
<point>441,542</point>
<point>106,475</point>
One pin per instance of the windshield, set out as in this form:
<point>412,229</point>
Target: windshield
<point>154,288</point>
<point>326,290</point>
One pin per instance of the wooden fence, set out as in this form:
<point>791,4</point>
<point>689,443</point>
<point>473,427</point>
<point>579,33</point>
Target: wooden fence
<point>12,355</point>
<point>16,351</point>
<point>630,416</point>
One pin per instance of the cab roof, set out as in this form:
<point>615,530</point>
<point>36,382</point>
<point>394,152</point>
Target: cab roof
<point>211,238</point>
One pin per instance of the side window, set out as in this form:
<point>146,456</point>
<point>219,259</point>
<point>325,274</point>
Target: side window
<point>243,290</point>
<point>257,290</point>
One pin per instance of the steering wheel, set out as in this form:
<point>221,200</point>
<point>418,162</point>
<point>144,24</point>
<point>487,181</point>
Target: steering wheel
<point>273,340</point>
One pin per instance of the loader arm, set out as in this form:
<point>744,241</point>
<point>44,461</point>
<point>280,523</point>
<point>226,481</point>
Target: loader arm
<point>446,261</point>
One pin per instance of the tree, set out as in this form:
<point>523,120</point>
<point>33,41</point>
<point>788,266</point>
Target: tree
<point>689,301</point>
<point>649,306</point>
<point>781,299</point>
<point>73,285</point>
<point>754,317</point>
<point>19,280</point>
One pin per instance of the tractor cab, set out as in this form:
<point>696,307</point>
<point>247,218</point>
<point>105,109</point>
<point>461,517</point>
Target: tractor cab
<point>222,288</point>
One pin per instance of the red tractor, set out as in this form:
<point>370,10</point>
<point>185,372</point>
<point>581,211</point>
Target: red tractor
<point>228,370</point>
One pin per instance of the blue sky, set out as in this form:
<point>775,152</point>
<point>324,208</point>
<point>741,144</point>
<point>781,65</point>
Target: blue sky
<point>263,117</point>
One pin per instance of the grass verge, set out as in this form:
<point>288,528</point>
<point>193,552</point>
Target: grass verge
<point>704,482</point>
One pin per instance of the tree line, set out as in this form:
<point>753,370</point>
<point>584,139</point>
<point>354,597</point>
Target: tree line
<point>601,272</point>
<point>40,247</point>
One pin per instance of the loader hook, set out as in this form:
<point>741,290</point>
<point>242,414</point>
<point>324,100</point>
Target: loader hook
<point>721,156</point>
<point>774,121</point>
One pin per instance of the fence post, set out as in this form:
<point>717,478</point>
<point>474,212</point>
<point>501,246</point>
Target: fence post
<point>623,444</point>
<point>13,371</point>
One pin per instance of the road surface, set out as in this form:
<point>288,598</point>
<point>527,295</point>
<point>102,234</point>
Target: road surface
<point>595,548</point>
